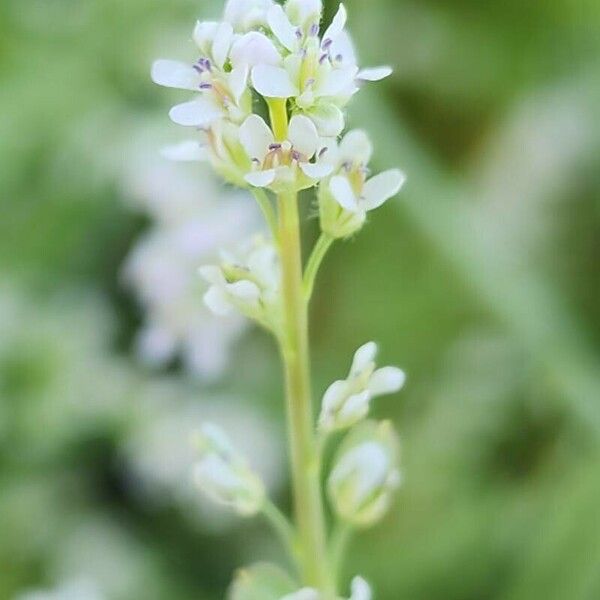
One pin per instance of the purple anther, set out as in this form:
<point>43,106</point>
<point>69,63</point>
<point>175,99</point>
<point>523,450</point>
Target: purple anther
<point>205,86</point>
<point>275,146</point>
<point>205,64</point>
<point>323,58</point>
<point>326,45</point>
<point>296,155</point>
<point>310,82</point>
<point>314,30</point>
<point>347,166</point>
<point>299,33</point>
<point>198,69</point>
<point>339,58</point>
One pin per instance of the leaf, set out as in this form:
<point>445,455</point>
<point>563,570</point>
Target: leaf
<point>262,581</point>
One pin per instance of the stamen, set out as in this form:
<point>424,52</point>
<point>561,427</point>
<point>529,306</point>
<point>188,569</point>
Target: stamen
<point>327,44</point>
<point>205,86</point>
<point>299,33</point>
<point>256,161</point>
<point>198,69</point>
<point>275,146</point>
<point>339,58</point>
<point>323,151</point>
<point>296,155</point>
<point>310,82</point>
<point>347,166</point>
<point>323,58</point>
<point>314,30</point>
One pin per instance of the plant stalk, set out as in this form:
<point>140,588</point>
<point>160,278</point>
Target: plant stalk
<point>303,447</point>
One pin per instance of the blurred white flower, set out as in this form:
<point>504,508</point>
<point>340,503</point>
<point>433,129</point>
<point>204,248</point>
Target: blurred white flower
<point>192,216</point>
<point>365,474</point>
<point>347,401</point>
<point>158,457</point>
<point>347,197</point>
<point>223,474</point>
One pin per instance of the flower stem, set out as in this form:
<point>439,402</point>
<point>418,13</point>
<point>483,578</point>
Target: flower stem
<point>303,448</point>
<point>283,528</point>
<point>316,258</point>
<point>267,209</point>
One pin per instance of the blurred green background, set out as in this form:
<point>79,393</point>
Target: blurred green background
<point>482,280</point>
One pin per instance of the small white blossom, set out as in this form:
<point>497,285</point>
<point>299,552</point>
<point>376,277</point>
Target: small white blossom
<point>365,474</point>
<point>346,402</point>
<point>224,475</point>
<point>247,281</point>
<point>287,164</point>
<point>320,74</point>
<point>347,197</point>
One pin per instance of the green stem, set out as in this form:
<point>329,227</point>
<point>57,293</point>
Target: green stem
<point>267,210</point>
<point>283,528</point>
<point>316,258</point>
<point>339,542</point>
<point>303,447</point>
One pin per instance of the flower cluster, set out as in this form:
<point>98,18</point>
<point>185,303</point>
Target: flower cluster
<point>279,53</point>
<point>270,87</point>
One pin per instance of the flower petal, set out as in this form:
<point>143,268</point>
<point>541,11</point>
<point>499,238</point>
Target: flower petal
<point>317,170</point>
<point>337,25</point>
<point>280,25</point>
<point>217,301</point>
<point>245,291</point>
<point>356,147</point>
<point>386,380</point>
<point>256,137</point>
<point>253,49</point>
<point>197,113</point>
<point>328,118</point>
<point>238,81</point>
<point>303,135</point>
<point>336,82</point>
<point>363,358</point>
<point>360,589</point>
<point>175,74</point>
<point>273,82</point>
<point>188,151</point>
<point>382,187</point>
<point>374,73</point>
<point>222,44</point>
<point>343,193</point>
<point>204,34</point>
<point>261,178</point>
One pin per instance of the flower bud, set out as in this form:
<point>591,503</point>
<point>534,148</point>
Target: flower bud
<point>365,474</point>
<point>223,474</point>
<point>346,402</point>
<point>304,13</point>
<point>247,281</point>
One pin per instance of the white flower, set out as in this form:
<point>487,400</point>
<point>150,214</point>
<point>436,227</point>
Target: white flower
<point>221,93</point>
<point>347,401</point>
<point>287,164</point>
<point>223,474</point>
<point>365,474</point>
<point>247,281</point>
<point>321,75</point>
<point>245,15</point>
<point>191,217</point>
<point>346,198</point>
